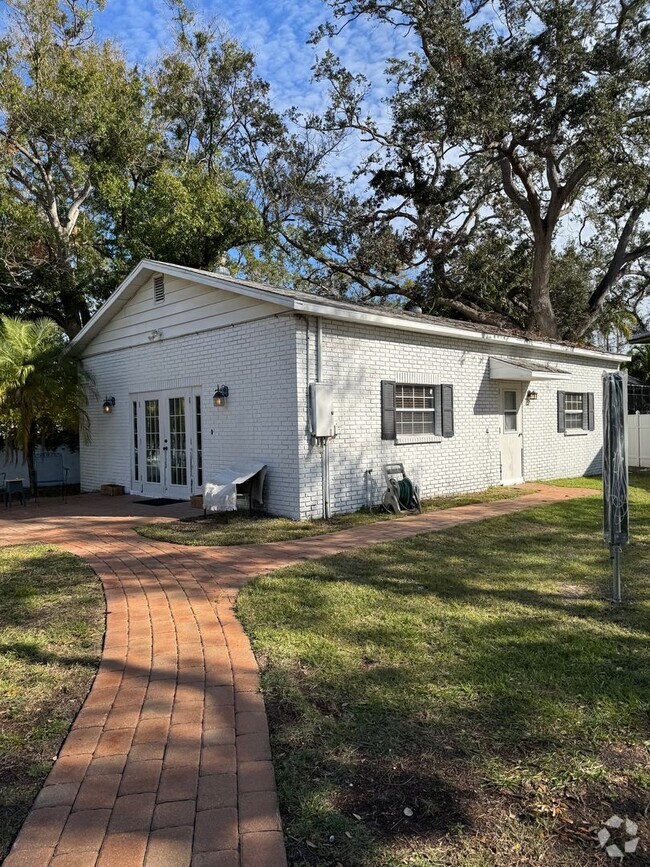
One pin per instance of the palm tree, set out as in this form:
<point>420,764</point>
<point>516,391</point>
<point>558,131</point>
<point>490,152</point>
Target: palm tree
<point>43,389</point>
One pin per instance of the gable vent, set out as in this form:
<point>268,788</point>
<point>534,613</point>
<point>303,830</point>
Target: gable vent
<point>158,289</point>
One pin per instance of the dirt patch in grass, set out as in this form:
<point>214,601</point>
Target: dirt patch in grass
<point>237,528</point>
<point>478,679</point>
<point>51,629</point>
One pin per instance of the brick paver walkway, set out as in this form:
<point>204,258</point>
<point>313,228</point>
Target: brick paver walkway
<point>168,762</point>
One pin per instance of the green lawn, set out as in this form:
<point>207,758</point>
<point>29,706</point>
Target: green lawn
<point>477,678</point>
<point>242,530</point>
<point>51,628</point>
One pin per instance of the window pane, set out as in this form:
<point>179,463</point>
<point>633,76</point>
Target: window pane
<point>574,411</point>
<point>152,440</point>
<point>136,466</point>
<point>414,396</point>
<point>510,400</point>
<point>510,421</point>
<point>177,435</point>
<point>573,402</point>
<point>573,420</point>
<point>409,423</point>
<point>199,443</point>
<point>415,408</point>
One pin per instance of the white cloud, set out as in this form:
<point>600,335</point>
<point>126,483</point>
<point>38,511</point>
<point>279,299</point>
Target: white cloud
<point>277,33</point>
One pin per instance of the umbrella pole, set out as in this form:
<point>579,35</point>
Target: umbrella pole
<point>616,573</point>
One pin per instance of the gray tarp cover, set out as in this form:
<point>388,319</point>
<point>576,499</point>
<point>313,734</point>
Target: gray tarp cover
<point>220,494</point>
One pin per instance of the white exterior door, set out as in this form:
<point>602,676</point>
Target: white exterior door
<point>162,444</point>
<point>511,434</point>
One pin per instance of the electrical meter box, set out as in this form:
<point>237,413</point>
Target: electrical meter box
<point>321,409</point>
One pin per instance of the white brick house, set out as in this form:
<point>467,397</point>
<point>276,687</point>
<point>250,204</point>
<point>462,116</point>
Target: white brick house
<point>463,407</point>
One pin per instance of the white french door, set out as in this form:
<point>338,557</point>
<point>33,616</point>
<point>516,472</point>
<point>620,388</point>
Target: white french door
<point>162,446</point>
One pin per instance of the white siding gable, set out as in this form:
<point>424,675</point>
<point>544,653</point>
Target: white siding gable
<point>187,308</point>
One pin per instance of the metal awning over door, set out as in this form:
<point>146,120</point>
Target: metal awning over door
<point>524,370</point>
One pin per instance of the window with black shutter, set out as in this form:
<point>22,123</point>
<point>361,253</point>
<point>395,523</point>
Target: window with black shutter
<point>575,411</point>
<point>416,410</point>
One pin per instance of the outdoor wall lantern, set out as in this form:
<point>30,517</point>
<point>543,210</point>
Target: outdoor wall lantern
<point>531,394</point>
<point>220,395</point>
<point>108,405</point>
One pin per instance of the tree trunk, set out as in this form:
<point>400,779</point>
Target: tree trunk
<point>542,318</point>
<point>31,466</point>
<point>74,312</point>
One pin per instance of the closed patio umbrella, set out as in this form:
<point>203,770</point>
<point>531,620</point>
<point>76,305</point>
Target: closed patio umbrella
<point>615,473</point>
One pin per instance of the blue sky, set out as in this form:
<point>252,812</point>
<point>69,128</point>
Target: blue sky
<point>275,30</point>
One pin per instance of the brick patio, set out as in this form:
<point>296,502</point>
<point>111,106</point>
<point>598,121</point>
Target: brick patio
<point>168,762</point>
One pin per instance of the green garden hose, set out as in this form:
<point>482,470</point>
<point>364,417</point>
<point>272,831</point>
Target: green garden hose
<point>406,493</point>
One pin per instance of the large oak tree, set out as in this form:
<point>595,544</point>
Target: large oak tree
<point>511,184</point>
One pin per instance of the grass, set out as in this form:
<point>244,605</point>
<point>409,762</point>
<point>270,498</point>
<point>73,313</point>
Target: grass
<point>477,679</point>
<point>593,482</point>
<point>242,530</point>
<point>51,628</point>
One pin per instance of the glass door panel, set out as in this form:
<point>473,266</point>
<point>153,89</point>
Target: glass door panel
<point>510,412</point>
<point>136,446</point>
<point>152,440</point>
<point>177,442</point>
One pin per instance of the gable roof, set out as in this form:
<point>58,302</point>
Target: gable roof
<point>309,304</point>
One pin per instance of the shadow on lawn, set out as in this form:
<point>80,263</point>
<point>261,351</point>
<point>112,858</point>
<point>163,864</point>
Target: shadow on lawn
<point>34,654</point>
<point>51,618</point>
<point>409,671</point>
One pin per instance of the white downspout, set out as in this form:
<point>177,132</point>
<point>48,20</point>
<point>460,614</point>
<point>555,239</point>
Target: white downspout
<point>324,440</point>
<point>319,349</point>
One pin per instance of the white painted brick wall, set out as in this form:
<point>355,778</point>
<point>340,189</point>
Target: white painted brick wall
<point>264,363</point>
<point>357,358</point>
<point>256,360</point>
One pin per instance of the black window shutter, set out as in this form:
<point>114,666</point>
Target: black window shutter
<point>561,423</point>
<point>388,429</point>
<point>589,403</point>
<point>437,415</point>
<point>447,410</point>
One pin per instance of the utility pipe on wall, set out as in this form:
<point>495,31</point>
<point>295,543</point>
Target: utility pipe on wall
<point>325,457</point>
<point>319,349</point>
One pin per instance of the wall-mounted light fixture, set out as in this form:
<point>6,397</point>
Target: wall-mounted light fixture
<point>220,395</point>
<point>108,405</point>
<point>531,394</point>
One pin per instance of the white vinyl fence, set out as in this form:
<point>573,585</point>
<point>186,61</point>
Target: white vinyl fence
<point>638,432</point>
<point>50,466</point>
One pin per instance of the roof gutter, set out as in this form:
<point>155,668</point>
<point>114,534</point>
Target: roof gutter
<point>364,318</point>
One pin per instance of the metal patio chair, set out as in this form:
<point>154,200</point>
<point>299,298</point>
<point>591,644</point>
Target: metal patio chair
<point>14,488</point>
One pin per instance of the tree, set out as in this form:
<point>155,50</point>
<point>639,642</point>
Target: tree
<point>43,389</point>
<point>102,164</point>
<point>639,367</point>
<point>72,116</point>
<point>524,126</point>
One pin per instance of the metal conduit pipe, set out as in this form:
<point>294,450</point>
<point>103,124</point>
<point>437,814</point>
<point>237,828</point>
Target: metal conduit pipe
<point>325,457</point>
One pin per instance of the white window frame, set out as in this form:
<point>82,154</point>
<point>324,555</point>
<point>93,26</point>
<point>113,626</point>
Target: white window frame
<point>403,435</point>
<point>511,412</point>
<point>574,413</point>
